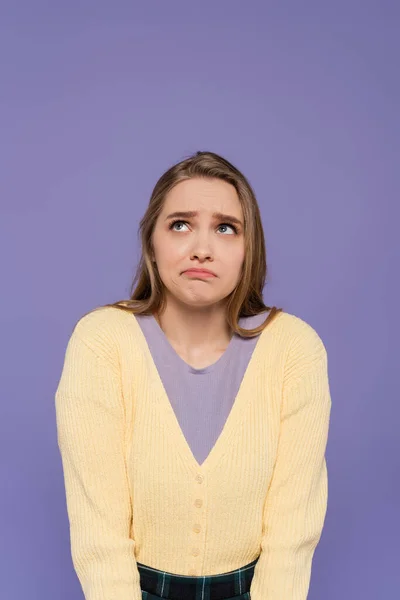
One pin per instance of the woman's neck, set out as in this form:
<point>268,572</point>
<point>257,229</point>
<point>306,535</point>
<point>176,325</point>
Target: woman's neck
<point>195,331</point>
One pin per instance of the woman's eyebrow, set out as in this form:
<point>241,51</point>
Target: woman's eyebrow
<point>192,213</point>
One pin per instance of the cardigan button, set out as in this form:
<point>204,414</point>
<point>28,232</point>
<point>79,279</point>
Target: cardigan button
<point>195,551</point>
<point>196,528</point>
<point>199,478</point>
<point>192,572</point>
<point>198,502</point>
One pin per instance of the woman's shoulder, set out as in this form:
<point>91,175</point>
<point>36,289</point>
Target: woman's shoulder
<point>291,331</point>
<point>283,320</point>
<point>303,343</point>
<point>102,325</point>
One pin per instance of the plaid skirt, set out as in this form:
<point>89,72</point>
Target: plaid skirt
<point>234,585</point>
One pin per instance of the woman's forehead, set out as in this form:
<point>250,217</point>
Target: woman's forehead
<point>204,196</point>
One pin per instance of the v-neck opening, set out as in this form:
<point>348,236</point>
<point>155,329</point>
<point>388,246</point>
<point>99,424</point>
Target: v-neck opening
<point>196,371</point>
<point>221,445</point>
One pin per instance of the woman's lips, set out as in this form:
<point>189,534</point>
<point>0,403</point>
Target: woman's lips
<point>198,273</point>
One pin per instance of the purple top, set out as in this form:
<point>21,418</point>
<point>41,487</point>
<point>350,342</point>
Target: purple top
<point>201,398</point>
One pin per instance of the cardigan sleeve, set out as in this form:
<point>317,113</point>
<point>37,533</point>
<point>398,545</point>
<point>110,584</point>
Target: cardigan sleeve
<point>296,502</point>
<point>90,434</point>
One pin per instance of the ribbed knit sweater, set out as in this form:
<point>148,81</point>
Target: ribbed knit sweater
<point>135,492</point>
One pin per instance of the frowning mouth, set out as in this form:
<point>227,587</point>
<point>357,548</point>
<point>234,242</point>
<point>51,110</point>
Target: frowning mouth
<point>199,273</point>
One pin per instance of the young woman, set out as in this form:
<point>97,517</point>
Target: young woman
<point>192,418</point>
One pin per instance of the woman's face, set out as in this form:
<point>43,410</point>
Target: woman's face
<point>203,239</point>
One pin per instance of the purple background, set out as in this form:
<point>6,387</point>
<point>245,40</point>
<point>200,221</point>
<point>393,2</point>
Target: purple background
<point>97,100</point>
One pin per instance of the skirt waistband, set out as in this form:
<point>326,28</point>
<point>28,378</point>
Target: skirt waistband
<point>233,585</point>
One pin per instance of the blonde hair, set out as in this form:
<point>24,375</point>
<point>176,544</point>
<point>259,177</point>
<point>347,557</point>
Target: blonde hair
<point>147,290</point>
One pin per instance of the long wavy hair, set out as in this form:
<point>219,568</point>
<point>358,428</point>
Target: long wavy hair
<point>147,294</point>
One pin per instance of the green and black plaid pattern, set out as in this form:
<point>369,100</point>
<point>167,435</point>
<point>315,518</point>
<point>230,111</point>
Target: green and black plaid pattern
<point>234,585</point>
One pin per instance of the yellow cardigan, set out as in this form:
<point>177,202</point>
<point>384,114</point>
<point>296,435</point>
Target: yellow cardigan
<point>135,492</point>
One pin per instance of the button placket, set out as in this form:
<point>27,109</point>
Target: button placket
<point>197,528</point>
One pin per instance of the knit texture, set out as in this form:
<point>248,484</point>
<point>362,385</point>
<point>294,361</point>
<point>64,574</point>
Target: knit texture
<point>135,492</point>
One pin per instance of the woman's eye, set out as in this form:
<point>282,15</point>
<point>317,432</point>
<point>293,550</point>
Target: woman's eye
<point>227,225</point>
<point>172,226</point>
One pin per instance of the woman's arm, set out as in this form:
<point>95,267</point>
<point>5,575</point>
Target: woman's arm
<point>90,430</point>
<point>296,503</point>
